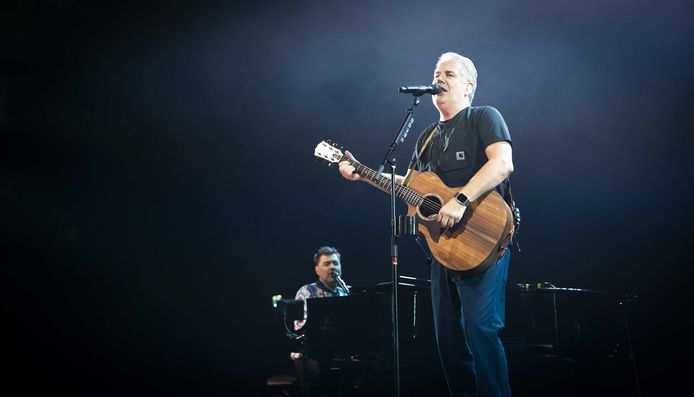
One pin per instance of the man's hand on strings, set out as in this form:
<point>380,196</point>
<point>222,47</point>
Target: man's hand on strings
<point>450,214</point>
<point>346,169</point>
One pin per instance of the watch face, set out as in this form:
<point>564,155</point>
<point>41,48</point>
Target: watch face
<point>462,199</point>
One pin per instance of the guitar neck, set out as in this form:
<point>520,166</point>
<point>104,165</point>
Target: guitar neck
<point>404,193</point>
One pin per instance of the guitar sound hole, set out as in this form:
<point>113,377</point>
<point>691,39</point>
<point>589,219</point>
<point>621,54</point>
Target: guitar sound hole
<point>430,206</point>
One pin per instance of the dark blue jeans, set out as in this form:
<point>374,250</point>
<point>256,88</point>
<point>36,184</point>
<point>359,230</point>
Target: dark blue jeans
<point>468,314</point>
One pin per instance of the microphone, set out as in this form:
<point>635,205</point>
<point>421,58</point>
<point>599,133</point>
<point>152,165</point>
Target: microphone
<point>421,89</point>
<point>341,282</point>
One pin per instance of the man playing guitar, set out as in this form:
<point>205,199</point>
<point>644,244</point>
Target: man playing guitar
<point>469,148</point>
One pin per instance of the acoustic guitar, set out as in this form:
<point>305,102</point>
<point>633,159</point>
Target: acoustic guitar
<point>473,244</point>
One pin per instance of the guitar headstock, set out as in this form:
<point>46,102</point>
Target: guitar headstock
<point>329,152</point>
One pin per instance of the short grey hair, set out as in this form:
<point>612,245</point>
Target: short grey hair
<point>467,68</point>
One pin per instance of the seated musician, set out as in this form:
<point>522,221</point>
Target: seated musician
<point>328,269</point>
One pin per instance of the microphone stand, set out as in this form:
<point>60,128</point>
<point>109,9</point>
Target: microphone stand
<point>390,160</point>
<point>342,283</point>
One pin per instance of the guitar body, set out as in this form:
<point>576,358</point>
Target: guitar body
<point>477,241</point>
<point>470,246</point>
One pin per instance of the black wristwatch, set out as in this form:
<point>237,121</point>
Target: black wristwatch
<point>462,199</point>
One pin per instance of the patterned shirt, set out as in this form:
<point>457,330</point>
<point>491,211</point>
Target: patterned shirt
<point>311,291</point>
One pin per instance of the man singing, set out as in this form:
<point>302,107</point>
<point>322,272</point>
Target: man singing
<point>328,269</point>
<point>470,148</point>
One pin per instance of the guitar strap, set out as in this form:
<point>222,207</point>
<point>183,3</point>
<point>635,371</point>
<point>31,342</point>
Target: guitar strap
<point>406,182</point>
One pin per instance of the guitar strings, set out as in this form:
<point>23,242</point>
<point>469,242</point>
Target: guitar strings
<point>406,193</point>
<point>409,195</point>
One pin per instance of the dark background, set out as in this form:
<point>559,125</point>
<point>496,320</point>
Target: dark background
<point>158,184</point>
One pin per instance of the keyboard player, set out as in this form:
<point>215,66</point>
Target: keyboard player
<point>328,268</point>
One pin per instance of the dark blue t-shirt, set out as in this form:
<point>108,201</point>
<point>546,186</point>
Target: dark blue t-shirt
<point>456,151</point>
